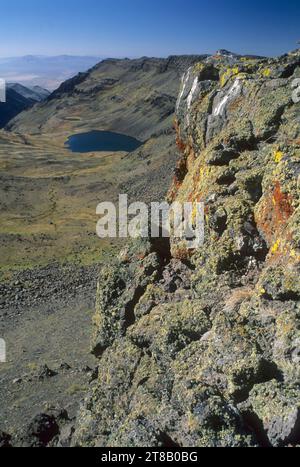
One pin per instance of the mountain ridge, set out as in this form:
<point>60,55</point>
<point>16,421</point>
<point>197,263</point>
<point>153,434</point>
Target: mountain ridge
<point>18,99</point>
<point>116,94</point>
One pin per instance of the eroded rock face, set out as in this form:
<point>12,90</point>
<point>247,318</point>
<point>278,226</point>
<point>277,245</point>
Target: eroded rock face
<point>202,348</point>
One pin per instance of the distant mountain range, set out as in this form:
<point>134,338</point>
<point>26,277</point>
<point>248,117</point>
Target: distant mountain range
<point>47,72</point>
<point>34,93</point>
<point>19,98</point>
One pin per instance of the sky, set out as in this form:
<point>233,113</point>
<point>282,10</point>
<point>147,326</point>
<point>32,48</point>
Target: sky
<point>132,28</point>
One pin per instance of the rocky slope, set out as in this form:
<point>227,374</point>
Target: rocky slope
<point>202,348</point>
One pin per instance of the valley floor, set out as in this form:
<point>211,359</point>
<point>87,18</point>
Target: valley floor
<point>50,259</point>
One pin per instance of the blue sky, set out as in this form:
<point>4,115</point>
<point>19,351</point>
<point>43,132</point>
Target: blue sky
<point>147,27</point>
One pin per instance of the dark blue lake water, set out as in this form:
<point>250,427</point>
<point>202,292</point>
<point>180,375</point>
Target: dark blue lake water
<point>102,141</point>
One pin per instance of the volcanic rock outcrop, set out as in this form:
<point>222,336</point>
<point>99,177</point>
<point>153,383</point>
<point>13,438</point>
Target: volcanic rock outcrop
<point>201,348</point>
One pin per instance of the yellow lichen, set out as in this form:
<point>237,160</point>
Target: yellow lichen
<point>194,213</point>
<point>275,247</point>
<point>266,72</point>
<point>228,74</point>
<point>278,155</point>
<point>199,67</point>
<point>242,75</point>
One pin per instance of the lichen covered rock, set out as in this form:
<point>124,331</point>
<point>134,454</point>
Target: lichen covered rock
<point>201,348</point>
<point>278,408</point>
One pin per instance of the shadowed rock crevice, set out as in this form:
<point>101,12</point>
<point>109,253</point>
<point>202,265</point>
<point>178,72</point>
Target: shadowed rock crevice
<point>254,424</point>
<point>167,441</point>
<point>162,247</point>
<point>129,308</point>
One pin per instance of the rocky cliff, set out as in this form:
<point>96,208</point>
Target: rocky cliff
<point>202,348</point>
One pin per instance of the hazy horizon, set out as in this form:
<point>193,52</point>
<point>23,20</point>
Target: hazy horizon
<point>132,57</point>
<point>45,71</point>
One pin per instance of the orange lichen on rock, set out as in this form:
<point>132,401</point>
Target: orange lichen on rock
<point>180,144</point>
<point>179,141</point>
<point>181,252</point>
<point>196,193</point>
<point>274,212</point>
<point>180,172</point>
<point>183,165</point>
<point>282,203</point>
